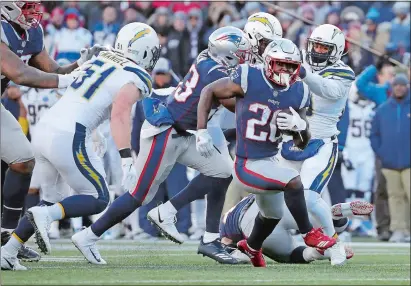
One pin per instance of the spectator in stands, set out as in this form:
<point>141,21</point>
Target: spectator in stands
<point>374,82</point>
<point>163,75</point>
<point>105,32</point>
<point>132,15</point>
<point>94,11</point>
<point>390,140</point>
<point>178,44</point>
<point>55,25</point>
<point>145,8</point>
<point>72,38</point>
<point>400,26</point>
<point>196,31</point>
<point>160,19</point>
<point>299,31</point>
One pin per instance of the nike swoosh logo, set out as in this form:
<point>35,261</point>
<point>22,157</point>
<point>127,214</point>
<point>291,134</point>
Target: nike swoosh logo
<point>8,262</point>
<point>159,217</point>
<point>92,253</point>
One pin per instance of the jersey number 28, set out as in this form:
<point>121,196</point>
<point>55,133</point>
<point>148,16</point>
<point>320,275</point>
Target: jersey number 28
<point>267,118</point>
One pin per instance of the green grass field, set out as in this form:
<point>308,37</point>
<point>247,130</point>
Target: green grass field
<point>163,262</point>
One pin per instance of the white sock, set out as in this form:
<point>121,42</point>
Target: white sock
<point>321,211</point>
<point>169,208</point>
<point>56,211</point>
<point>311,254</point>
<point>90,234</point>
<point>209,237</point>
<point>9,230</point>
<point>13,246</point>
<point>76,223</point>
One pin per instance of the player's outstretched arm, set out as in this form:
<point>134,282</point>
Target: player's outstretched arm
<point>17,71</point>
<point>120,122</point>
<point>44,62</point>
<point>222,89</point>
<point>330,88</point>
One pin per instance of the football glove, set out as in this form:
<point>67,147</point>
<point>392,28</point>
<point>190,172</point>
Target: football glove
<point>129,174</point>
<point>87,53</point>
<point>204,142</point>
<point>66,79</point>
<point>291,121</point>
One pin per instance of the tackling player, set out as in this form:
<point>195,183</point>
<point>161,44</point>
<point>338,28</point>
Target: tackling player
<point>24,61</point>
<point>330,81</point>
<point>280,245</point>
<point>258,107</point>
<point>114,81</point>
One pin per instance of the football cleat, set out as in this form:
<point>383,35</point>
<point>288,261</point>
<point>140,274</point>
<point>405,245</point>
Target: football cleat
<point>25,253</point>
<point>216,251</point>
<point>165,224</point>
<point>338,256</point>
<point>349,252</point>
<point>41,220</point>
<point>87,247</point>
<point>256,256</point>
<point>316,238</point>
<point>9,262</point>
<point>352,208</point>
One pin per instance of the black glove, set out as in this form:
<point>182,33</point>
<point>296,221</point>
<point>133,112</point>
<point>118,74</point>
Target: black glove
<point>384,59</point>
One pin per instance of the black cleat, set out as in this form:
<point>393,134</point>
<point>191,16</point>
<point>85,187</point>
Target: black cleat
<point>216,251</point>
<point>25,253</point>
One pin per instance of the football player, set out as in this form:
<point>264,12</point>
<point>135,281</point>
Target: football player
<point>280,245</point>
<point>258,105</point>
<point>330,81</point>
<point>24,61</point>
<point>165,138</point>
<point>114,81</point>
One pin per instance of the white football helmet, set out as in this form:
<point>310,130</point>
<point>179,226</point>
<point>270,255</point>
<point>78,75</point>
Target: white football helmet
<point>229,46</point>
<point>328,36</point>
<point>282,61</point>
<point>139,43</point>
<point>262,28</point>
<point>26,14</point>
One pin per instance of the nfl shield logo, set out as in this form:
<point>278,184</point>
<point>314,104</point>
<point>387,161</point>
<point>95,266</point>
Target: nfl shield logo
<point>23,44</point>
<point>275,93</point>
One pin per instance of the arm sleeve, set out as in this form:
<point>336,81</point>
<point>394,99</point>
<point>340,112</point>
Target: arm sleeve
<point>329,85</point>
<point>367,88</point>
<point>375,137</point>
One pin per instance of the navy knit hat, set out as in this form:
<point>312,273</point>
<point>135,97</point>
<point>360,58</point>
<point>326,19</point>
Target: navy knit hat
<point>400,79</point>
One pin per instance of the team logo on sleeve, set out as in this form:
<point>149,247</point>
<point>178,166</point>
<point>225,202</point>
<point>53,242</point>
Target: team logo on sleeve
<point>139,35</point>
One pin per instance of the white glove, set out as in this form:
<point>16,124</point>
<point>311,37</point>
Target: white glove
<point>66,79</point>
<point>87,53</point>
<point>129,174</point>
<point>99,143</point>
<point>204,143</point>
<point>292,122</point>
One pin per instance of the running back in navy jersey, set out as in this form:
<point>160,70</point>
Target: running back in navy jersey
<point>29,44</point>
<point>182,104</point>
<point>257,134</point>
<point>230,222</point>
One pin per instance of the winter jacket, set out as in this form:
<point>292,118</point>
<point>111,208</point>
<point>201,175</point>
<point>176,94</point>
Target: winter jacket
<point>367,87</point>
<point>390,134</point>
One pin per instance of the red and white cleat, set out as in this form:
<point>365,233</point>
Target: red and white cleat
<point>353,208</point>
<point>316,238</point>
<point>349,252</point>
<point>256,256</point>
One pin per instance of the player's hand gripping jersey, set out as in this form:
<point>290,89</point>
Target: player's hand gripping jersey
<point>88,100</point>
<point>256,113</point>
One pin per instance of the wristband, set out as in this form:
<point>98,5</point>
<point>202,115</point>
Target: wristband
<point>125,153</point>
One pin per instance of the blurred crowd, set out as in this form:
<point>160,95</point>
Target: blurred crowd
<point>378,111</point>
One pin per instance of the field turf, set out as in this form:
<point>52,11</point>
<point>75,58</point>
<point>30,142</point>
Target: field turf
<point>163,262</point>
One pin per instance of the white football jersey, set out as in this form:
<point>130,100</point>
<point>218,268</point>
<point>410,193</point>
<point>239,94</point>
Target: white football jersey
<point>89,98</point>
<point>358,136</point>
<point>328,102</point>
<point>37,101</point>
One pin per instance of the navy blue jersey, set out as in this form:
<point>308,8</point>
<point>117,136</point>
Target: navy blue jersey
<point>29,44</point>
<point>257,134</point>
<point>231,220</point>
<point>182,104</point>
